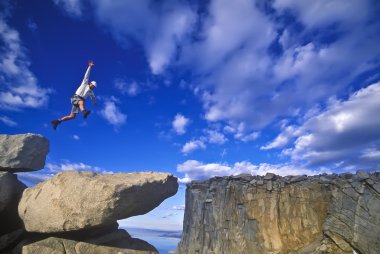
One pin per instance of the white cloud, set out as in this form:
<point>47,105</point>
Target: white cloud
<point>76,137</point>
<point>8,121</point>
<point>69,166</point>
<point>33,178</point>
<point>159,26</point>
<point>215,137</point>
<point>192,146</point>
<point>180,123</point>
<point>179,207</point>
<point>227,28</point>
<point>132,88</point>
<point>173,27</point>
<point>282,139</point>
<point>320,12</point>
<point>241,82</point>
<point>196,170</point>
<point>343,131</point>
<point>72,7</point>
<point>241,132</point>
<point>371,155</point>
<point>112,113</point>
<point>20,89</point>
<point>31,24</point>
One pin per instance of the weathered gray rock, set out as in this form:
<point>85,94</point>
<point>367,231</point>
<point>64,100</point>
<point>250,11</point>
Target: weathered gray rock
<point>23,152</point>
<point>294,214</point>
<point>79,200</point>
<point>362,175</point>
<point>269,176</point>
<point>10,193</point>
<point>354,216</point>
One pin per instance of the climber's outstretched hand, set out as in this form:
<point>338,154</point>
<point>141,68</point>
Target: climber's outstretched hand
<point>91,63</point>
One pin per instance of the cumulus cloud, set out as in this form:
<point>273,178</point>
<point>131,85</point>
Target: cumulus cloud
<point>160,27</point>
<point>72,7</point>
<point>33,178</point>
<point>197,170</point>
<point>131,89</point>
<point>53,168</point>
<point>112,113</point>
<point>192,146</point>
<point>210,136</point>
<point>282,139</point>
<point>178,207</point>
<point>321,13</point>
<point>31,24</point>
<point>19,85</point>
<point>345,130</point>
<point>241,82</point>
<point>215,137</point>
<point>241,132</point>
<point>7,121</point>
<point>180,123</point>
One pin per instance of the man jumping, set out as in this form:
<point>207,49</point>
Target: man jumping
<point>77,100</point>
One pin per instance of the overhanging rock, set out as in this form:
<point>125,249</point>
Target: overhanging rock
<point>78,200</point>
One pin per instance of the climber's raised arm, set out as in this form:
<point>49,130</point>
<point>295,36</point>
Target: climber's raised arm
<point>87,74</point>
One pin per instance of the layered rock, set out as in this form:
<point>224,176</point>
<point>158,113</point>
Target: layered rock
<point>354,216</point>
<point>23,152</point>
<point>78,200</point>
<point>272,214</point>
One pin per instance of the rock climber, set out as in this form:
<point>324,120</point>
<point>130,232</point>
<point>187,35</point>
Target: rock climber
<point>77,100</point>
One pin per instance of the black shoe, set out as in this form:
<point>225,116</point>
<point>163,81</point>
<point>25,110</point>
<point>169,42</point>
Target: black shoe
<point>86,113</point>
<point>55,123</point>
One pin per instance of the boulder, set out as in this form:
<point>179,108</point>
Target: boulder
<point>79,200</point>
<point>23,152</point>
<point>269,176</point>
<point>10,193</point>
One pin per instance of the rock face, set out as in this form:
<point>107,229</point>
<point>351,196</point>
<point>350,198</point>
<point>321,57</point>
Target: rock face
<point>273,214</point>
<point>23,152</point>
<point>10,193</point>
<point>79,200</point>
<point>354,216</point>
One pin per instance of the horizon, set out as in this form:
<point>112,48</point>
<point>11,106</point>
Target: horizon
<point>195,88</point>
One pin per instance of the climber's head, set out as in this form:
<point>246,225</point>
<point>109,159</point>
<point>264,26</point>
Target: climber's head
<point>92,84</point>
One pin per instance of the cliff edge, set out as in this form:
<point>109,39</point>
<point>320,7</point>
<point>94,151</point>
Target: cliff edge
<point>276,215</point>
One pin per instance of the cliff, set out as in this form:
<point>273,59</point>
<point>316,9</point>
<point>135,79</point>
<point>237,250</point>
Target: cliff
<point>274,215</point>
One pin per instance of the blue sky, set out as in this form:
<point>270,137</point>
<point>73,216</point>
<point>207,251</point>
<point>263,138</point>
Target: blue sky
<point>195,88</point>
